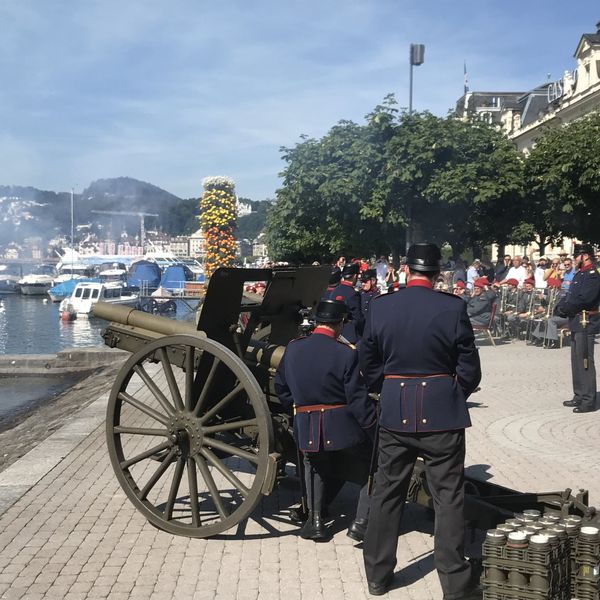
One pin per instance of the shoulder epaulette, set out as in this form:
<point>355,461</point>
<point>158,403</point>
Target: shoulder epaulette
<point>346,344</point>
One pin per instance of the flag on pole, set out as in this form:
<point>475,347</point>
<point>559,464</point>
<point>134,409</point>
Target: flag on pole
<point>466,78</point>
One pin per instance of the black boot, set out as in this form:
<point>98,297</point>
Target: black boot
<point>571,403</point>
<point>299,515</point>
<point>357,530</point>
<point>314,528</point>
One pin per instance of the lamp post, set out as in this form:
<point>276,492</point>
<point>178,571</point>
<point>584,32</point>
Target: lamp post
<point>416,57</point>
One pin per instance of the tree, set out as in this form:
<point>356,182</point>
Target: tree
<point>358,188</point>
<point>457,182</point>
<point>562,175</point>
<point>325,185</point>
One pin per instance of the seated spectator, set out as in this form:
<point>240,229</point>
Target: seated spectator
<point>479,305</point>
<point>567,273</point>
<point>538,274</point>
<point>502,267</point>
<point>517,271</point>
<point>553,271</point>
<point>460,289</point>
<point>546,330</point>
<point>473,272</point>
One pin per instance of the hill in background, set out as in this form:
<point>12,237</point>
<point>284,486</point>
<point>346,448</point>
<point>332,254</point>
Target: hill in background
<point>28,211</point>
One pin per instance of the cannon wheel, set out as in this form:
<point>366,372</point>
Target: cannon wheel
<point>185,461</point>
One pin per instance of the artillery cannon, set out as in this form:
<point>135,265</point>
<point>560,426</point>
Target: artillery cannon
<point>195,432</point>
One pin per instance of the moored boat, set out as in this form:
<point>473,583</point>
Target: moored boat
<point>10,276</point>
<point>38,282</point>
<point>88,293</point>
<point>63,290</point>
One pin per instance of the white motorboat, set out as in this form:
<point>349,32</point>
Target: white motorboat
<point>39,281</point>
<point>113,272</point>
<point>88,293</point>
<point>10,275</point>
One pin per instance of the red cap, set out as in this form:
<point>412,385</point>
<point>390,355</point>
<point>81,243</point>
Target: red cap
<point>512,281</point>
<point>481,282</point>
<point>460,284</point>
<point>554,283</point>
<point>530,280</point>
<point>339,298</point>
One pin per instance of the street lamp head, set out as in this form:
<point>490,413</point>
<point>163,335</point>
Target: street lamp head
<point>417,54</point>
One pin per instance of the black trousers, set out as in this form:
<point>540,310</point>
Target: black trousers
<point>322,484</point>
<point>444,456</point>
<point>584,380</point>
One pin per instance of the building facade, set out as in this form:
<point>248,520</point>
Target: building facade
<point>523,116</point>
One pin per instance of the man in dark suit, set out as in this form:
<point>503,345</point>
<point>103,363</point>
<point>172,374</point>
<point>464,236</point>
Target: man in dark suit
<point>347,293</point>
<point>320,378</point>
<point>419,351</point>
<point>580,305</point>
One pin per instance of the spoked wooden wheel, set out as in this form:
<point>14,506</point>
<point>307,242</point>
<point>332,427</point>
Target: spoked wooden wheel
<point>189,435</point>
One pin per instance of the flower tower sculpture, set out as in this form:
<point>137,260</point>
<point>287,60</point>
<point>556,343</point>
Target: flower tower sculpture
<point>218,212</point>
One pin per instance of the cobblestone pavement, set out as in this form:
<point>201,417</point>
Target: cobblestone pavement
<point>68,530</point>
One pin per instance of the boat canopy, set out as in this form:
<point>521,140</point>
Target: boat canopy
<point>175,276</point>
<point>144,273</point>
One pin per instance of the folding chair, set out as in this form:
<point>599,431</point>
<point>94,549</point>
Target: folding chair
<point>487,329</point>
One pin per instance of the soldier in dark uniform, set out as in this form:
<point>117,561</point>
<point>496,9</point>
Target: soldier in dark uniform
<point>320,377</point>
<point>334,280</point>
<point>368,280</point>
<point>580,305</point>
<point>346,293</point>
<point>419,350</point>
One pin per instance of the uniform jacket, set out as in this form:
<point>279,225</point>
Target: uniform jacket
<point>354,327</point>
<point>365,299</point>
<point>419,350</point>
<point>584,294</point>
<point>524,301</point>
<point>479,307</point>
<point>318,369</point>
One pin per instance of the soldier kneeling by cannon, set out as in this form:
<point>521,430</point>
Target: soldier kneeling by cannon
<point>334,418</point>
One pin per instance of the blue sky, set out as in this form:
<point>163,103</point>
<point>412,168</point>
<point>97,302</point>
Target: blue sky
<point>172,91</point>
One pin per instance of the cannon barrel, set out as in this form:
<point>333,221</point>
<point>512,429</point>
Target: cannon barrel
<point>143,324</point>
<point>126,315</point>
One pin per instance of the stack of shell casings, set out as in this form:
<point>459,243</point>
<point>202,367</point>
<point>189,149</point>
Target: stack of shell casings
<point>585,582</point>
<point>527,558</point>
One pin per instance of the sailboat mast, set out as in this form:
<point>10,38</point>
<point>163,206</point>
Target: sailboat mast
<point>72,236</point>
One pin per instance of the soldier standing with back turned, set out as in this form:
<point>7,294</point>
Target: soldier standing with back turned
<point>346,292</point>
<point>418,350</point>
<point>580,305</point>
<point>319,376</point>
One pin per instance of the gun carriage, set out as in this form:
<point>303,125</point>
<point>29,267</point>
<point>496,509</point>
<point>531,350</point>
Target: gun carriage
<point>195,433</point>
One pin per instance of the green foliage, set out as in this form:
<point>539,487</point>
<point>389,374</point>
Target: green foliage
<point>562,176</point>
<point>355,190</point>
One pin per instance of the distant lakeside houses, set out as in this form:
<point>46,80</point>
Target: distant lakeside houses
<point>35,248</point>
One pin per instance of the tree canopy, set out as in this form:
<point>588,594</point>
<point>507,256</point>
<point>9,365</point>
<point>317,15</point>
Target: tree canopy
<point>356,189</point>
<point>562,175</point>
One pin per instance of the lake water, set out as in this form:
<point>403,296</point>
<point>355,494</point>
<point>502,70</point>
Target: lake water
<point>31,325</point>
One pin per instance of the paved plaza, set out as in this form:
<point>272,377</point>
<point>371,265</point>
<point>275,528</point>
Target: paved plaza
<point>68,531</point>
